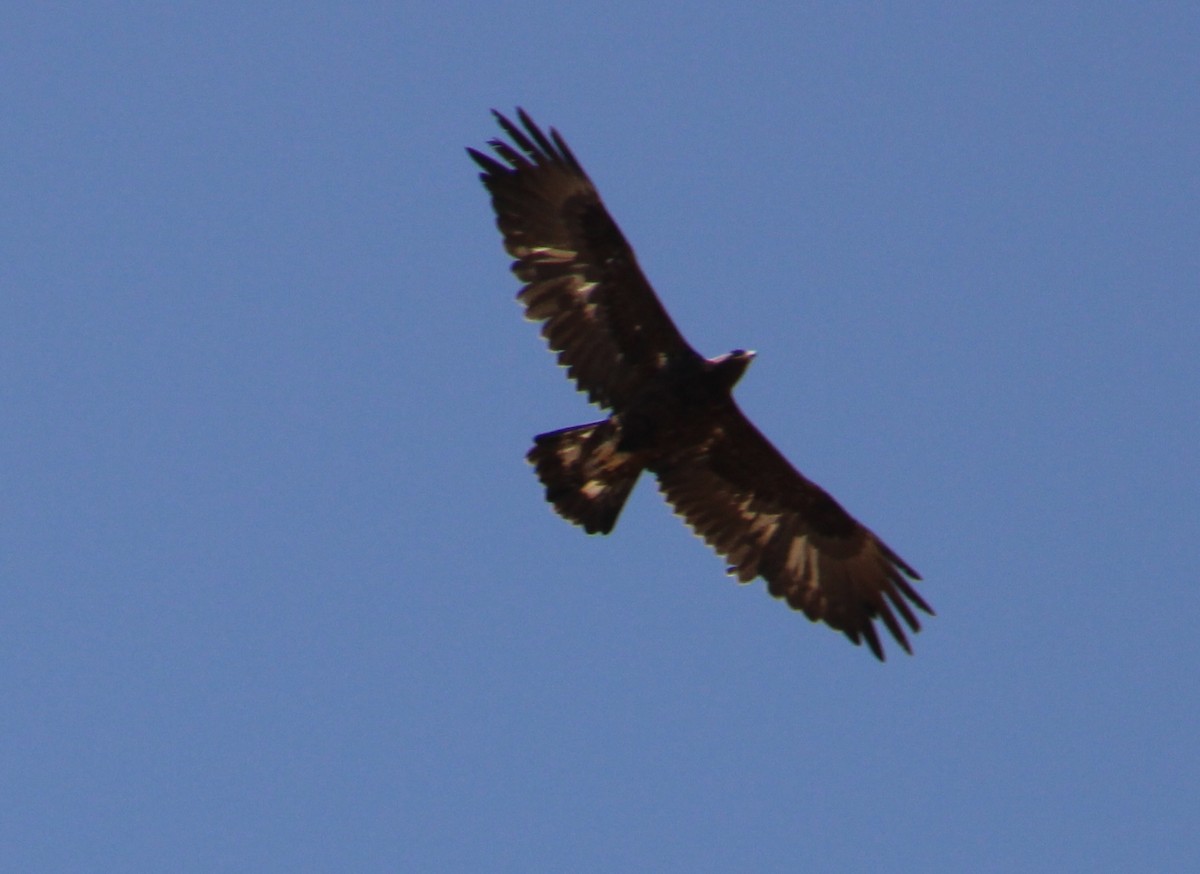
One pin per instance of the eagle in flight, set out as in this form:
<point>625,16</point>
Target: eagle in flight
<point>672,410</point>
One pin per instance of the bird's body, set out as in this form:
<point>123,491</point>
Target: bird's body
<point>672,410</point>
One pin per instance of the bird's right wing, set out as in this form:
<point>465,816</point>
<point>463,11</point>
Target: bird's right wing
<point>581,278</point>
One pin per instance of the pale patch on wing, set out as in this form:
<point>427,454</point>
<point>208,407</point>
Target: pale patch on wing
<point>548,254</point>
<point>759,528</point>
<point>593,488</point>
<point>800,564</point>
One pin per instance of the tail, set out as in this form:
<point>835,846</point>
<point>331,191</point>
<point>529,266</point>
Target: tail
<point>587,478</point>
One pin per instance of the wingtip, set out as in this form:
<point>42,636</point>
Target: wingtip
<point>872,637</point>
<point>503,119</point>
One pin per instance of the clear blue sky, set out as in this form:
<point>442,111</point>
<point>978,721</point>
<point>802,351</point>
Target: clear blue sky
<point>279,593</point>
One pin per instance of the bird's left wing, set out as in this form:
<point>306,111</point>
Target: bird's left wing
<point>747,501</point>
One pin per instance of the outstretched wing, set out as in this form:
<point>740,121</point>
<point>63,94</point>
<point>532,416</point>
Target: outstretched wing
<point>581,278</point>
<point>743,497</point>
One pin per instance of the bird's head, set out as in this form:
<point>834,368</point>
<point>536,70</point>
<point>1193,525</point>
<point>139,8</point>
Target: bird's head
<point>730,367</point>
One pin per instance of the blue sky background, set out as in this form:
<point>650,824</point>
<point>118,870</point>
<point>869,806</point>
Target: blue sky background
<point>279,592</point>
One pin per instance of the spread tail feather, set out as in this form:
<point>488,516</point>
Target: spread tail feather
<point>587,477</point>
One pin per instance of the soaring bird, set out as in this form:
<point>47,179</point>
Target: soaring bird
<point>671,411</point>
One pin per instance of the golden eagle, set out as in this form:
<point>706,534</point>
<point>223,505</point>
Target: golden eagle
<point>672,410</point>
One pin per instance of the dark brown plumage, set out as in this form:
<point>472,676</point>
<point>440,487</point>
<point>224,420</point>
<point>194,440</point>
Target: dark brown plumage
<point>672,410</point>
